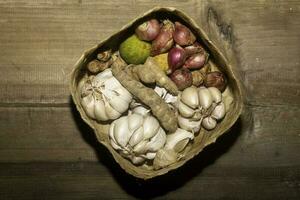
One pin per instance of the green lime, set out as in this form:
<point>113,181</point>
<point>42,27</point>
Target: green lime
<point>134,51</point>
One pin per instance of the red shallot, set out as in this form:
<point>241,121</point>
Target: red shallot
<point>182,78</point>
<point>164,41</point>
<point>183,35</point>
<point>195,61</point>
<point>148,30</point>
<point>193,49</point>
<point>176,58</point>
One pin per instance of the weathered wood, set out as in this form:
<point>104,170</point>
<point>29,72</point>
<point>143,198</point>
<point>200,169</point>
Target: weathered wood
<point>47,151</point>
<point>58,134</point>
<point>40,42</point>
<point>89,180</point>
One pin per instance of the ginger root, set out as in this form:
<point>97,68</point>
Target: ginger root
<point>130,76</point>
<point>150,72</point>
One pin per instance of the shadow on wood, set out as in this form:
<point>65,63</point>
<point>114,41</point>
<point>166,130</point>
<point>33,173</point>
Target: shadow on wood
<point>163,184</point>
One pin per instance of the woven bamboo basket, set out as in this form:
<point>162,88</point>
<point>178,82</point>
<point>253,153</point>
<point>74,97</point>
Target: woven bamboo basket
<point>233,93</point>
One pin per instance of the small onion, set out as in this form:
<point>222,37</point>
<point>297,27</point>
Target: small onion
<point>193,49</point>
<point>195,61</point>
<point>216,79</point>
<point>183,35</point>
<point>164,41</point>
<point>148,30</point>
<point>176,58</point>
<point>182,78</point>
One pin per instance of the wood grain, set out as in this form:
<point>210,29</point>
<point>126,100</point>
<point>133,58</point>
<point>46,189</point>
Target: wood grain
<point>58,134</point>
<point>38,61</point>
<point>91,181</point>
<point>47,151</point>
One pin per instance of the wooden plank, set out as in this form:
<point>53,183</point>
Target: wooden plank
<point>40,41</point>
<point>44,134</point>
<point>91,180</point>
<point>265,41</point>
<point>58,134</point>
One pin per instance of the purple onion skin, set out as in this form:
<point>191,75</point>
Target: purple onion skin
<point>216,79</point>
<point>193,49</point>
<point>176,58</point>
<point>164,41</point>
<point>182,78</point>
<point>183,35</point>
<point>148,30</point>
<point>195,61</point>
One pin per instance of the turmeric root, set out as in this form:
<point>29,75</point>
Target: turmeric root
<point>129,77</point>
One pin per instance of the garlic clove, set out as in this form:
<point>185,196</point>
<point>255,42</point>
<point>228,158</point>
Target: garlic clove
<point>115,146</point>
<point>140,148</point>
<point>110,112</point>
<point>197,116</point>
<point>164,157</point>
<point>151,126</point>
<point>189,96</point>
<point>118,104</point>
<point>111,131</point>
<point>219,111</point>
<point>123,94</point>
<point>157,141</point>
<point>99,110</point>
<point>215,94</point>
<point>88,106</point>
<point>189,125</point>
<point>121,131</point>
<point>209,123</point>
<point>149,155</point>
<point>185,110</point>
<point>178,140</point>
<point>141,110</point>
<point>205,98</point>
<point>112,137</point>
<point>134,121</point>
<point>137,160</point>
<point>136,137</point>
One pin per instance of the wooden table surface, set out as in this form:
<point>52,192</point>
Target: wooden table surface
<point>48,152</point>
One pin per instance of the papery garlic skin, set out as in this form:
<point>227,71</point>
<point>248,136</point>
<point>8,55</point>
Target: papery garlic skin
<point>103,97</point>
<point>137,137</point>
<point>165,95</point>
<point>200,106</point>
<point>178,140</point>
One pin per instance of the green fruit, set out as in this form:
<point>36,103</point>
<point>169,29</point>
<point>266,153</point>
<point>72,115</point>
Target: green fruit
<point>134,51</point>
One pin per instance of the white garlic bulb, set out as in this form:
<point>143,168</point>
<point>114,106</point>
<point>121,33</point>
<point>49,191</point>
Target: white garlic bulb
<point>137,137</point>
<point>103,97</point>
<point>200,106</point>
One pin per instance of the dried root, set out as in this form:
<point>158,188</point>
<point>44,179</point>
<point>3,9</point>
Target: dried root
<point>150,72</point>
<point>129,77</point>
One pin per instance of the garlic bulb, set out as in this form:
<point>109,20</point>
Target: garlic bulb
<point>103,97</point>
<point>137,137</point>
<point>200,106</point>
